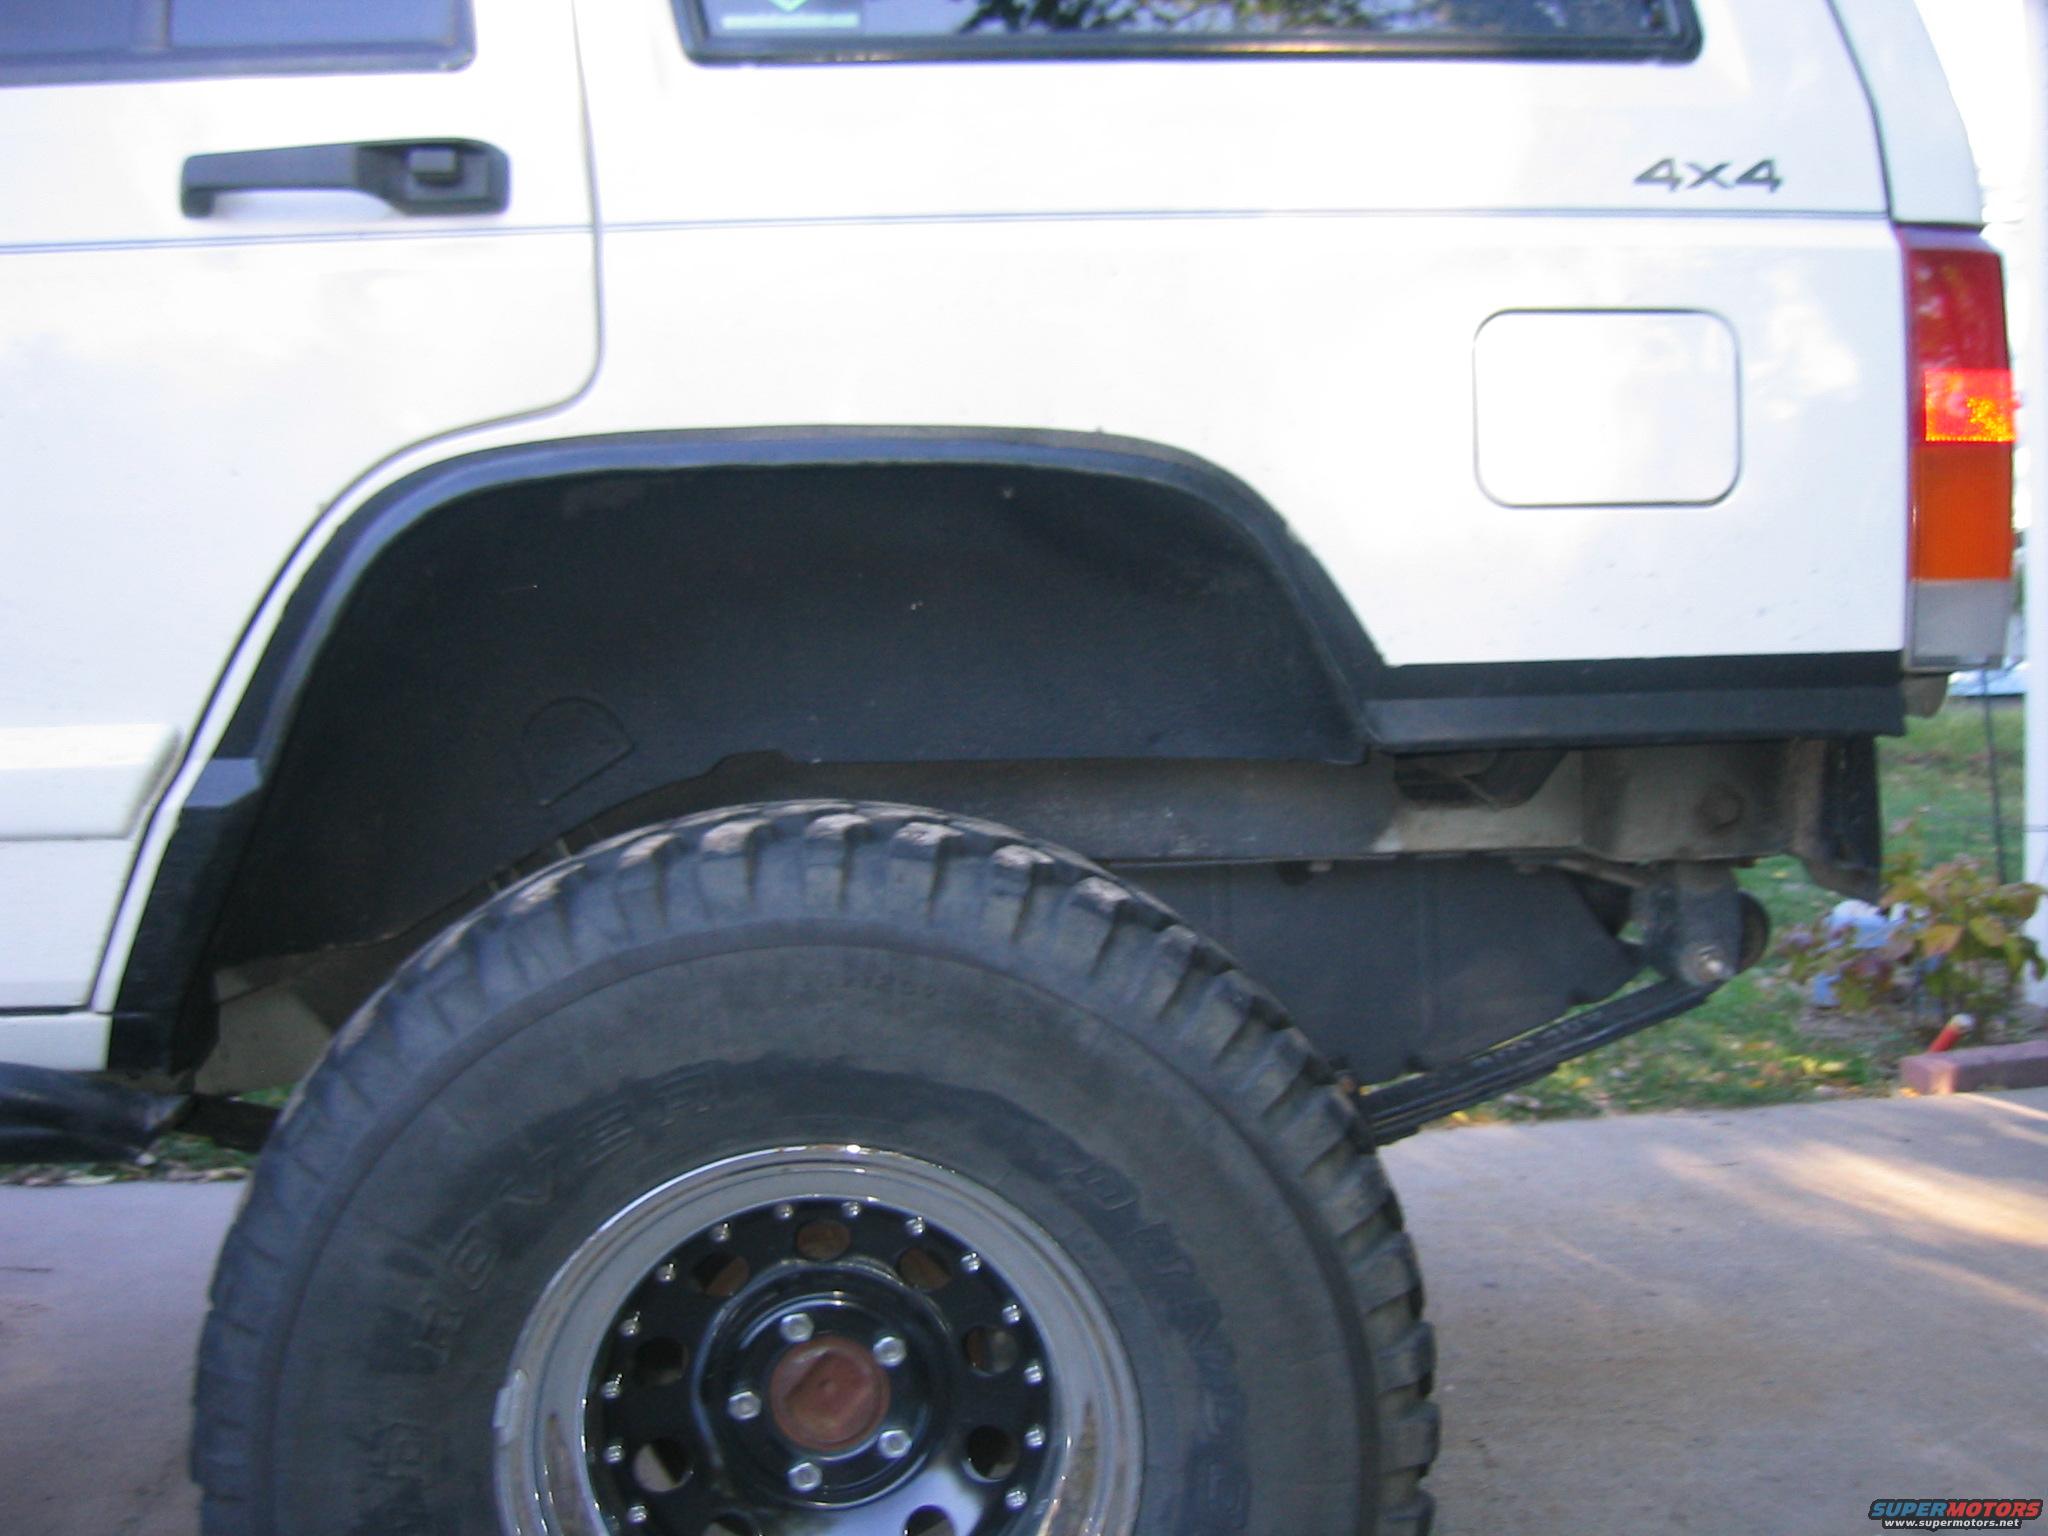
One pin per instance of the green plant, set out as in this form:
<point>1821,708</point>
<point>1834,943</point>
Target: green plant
<point>1954,934</point>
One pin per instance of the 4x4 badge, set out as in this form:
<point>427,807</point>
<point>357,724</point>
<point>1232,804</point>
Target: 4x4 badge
<point>1666,174</point>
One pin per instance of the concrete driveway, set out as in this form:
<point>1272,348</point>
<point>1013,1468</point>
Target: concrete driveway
<point>1746,1323</point>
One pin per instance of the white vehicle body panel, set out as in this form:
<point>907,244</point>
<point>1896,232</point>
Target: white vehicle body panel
<point>1281,265</point>
<point>182,397</point>
<point>1928,165</point>
<point>1288,292</point>
<point>86,781</point>
<point>1356,420</point>
<point>62,1042</point>
<point>980,139</point>
<point>53,916</point>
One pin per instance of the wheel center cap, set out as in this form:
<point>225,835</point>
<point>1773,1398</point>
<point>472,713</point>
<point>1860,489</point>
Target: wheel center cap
<point>828,1395</point>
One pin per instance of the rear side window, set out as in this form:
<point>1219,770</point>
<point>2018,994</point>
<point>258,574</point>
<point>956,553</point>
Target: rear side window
<point>880,29</point>
<point>52,41</point>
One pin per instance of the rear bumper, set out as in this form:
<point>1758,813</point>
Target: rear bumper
<point>1634,702</point>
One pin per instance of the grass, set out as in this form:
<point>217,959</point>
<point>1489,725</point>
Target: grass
<point>1756,1042</point>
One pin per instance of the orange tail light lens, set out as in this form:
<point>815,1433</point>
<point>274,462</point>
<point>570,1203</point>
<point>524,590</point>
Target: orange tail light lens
<point>1962,404</point>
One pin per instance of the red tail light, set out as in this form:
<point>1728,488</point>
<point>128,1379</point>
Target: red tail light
<point>1960,554</point>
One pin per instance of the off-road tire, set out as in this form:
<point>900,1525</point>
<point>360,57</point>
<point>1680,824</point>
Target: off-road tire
<point>773,974</point>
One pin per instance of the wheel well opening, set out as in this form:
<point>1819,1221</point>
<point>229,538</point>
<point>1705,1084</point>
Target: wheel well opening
<point>523,661</point>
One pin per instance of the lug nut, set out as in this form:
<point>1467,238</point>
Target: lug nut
<point>796,1328</point>
<point>1034,1438</point>
<point>614,1453</point>
<point>914,1226</point>
<point>971,1262</point>
<point>1012,1313</point>
<point>805,1477</point>
<point>890,1350</point>
<point>666,1274</point>
<point>743,1406</point>
<point>894,1444</point>
<point>629,1326</point>
<point>613,1386</point>
<point>850,1210</point>
<point>1034,1373</point>
<point>636,1514</point>
<point>1016,1498</point>
<point>784,1211</point>
<point>722,1233</point>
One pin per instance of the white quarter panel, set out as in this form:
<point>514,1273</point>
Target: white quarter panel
<point>181,397</point>
<point>1355,419</point>
<point>682,143</point>
<point>1928,163</point>
<point>1282,265</point>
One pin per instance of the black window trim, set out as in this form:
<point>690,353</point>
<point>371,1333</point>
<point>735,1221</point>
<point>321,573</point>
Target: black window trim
<point>1680,46</point>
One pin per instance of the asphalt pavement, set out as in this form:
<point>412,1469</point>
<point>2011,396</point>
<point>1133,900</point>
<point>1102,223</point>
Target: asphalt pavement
<point>1746,1322</point>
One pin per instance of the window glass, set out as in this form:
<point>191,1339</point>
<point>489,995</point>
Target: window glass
<point>1460,26</point>
<point>52,41</point>
<point>314,23</point>
<point>40,28</point>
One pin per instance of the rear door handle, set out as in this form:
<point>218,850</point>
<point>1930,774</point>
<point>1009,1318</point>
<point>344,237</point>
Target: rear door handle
<point>419,176</point>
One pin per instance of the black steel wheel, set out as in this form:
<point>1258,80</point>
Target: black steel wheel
<point>829,1340</point>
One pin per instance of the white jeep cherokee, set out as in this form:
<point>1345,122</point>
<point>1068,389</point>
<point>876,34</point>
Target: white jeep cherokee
<point>808,658</point>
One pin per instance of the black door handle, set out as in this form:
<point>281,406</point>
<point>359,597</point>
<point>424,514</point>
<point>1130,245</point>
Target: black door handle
<point>412,175</point>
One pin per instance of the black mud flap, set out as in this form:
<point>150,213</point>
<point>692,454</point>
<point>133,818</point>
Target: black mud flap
<point>48,1116</point>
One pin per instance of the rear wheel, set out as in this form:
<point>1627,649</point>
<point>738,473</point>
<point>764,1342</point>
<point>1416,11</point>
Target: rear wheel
<point>843,1170</point>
